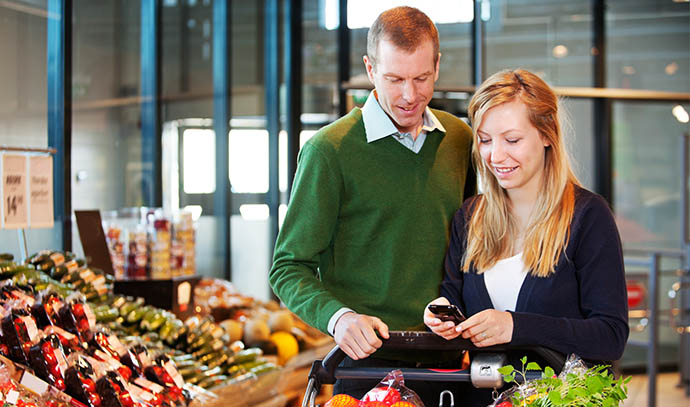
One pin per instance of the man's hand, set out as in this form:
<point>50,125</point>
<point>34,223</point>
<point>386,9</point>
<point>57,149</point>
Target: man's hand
<point>443,329</point>
<point>355,334</point>
<point>488,327</point>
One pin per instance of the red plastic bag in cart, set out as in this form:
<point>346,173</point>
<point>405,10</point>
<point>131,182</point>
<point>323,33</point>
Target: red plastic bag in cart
<point>390,392</point>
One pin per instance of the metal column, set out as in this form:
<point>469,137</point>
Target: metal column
<point>59,69</point>
<point>221,126</point>
<point>684,283</point>
<point>603,138</point>
<point>343,56</point>
<point>653,317</point>
<point>272,102</point>
<point>293,84</point>
<point>151,155</point>
<point>478,60</point>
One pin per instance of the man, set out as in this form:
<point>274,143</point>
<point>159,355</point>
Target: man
<point>362,246</point>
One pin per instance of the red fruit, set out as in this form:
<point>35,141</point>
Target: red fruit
<point>387,395</point>
<point>83,325</point>
<point>94,398</point>
<point>60,384</point>
<point>404,404</point>
<point>126,400</point>
<point>342,400</point>
<point>78,309</point>
<point>89,385</point>
<point>125,372</point>
<point>375,404</point>
<point>504,404</point>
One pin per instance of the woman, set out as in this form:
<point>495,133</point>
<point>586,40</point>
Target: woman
<point>536,259</point>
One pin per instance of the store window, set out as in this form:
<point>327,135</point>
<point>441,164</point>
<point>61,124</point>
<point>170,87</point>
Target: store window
<point>199,161</point>
<point>23,99</point>
<point>647,45</point>
<point>550,38</point>
<point>107,165</point>
<point>647,172</point>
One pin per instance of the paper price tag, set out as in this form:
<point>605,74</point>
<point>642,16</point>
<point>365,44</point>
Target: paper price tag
<point>41,191</point>
<point>31,328</point>
<point>151,386</point>
<point>137,391</point>
<point>14,201</point>
<point>67,335</point>
<point>62,362</point>
<point>12,397</point>
<point>90,316</point>
<point>172,371</point>
<point>33,383</point>
<point>117,345</point>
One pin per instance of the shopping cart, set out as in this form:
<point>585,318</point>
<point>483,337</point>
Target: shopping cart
<point>482,373</point>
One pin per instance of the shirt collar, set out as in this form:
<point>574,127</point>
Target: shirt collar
<point>378,125</point>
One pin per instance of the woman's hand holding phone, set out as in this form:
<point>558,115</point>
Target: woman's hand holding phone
<point>445,329</point>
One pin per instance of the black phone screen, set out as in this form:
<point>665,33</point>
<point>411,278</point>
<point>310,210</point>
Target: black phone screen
<point>447,313</point>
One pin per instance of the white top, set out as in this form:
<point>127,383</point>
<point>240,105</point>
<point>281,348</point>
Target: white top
<point>504,280</point>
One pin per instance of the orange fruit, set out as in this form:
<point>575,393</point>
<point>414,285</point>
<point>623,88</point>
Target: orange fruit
<point>404,404</point>
<point>342,400</point>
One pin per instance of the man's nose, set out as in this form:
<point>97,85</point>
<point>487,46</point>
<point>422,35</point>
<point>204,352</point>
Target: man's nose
<point>409,91</point>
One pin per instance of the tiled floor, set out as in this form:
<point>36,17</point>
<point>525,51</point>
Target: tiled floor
<point>667,392</point>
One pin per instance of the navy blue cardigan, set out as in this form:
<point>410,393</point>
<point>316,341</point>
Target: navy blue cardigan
<point>582,308</point>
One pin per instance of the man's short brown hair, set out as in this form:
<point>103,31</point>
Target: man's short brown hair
<point>406,27</point>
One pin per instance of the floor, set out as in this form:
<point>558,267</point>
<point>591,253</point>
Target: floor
<point>668,394</point>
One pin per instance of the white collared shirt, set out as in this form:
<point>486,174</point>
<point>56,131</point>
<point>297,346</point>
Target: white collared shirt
<point>378,125</point>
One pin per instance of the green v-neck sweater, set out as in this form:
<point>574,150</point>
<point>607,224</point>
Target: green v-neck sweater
<point>367,225</point>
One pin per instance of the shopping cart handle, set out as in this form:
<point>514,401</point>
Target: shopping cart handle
<point>323,372</point>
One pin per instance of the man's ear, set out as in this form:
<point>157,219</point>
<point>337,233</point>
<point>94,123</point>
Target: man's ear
<point>369,65</point>
<point>438,64</point>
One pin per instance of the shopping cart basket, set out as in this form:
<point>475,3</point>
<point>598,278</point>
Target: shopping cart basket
<point>483,371</point>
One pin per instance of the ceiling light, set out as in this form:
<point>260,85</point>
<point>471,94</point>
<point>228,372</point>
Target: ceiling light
<point>671,68</point>
<point>680,114</point>
<point>560,51</point>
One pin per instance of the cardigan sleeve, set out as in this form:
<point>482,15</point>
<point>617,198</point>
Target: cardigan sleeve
<point>306,233</point>
<point>603,330</point>
<point>451,286</point>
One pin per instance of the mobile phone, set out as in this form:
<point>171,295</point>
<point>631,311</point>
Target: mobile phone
<point>447,313</point>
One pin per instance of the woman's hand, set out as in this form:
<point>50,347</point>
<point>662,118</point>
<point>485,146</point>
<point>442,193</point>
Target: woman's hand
<point>488,327</point>
<point>440,328</point>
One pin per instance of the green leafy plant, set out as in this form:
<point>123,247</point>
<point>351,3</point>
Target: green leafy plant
<point>594,386</point>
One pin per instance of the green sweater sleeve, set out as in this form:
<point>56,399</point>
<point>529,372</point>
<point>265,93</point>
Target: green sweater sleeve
<point>306,234</point>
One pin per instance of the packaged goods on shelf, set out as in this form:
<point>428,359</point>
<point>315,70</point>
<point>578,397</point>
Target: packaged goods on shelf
<point>159,245</point>
<point>116,247</point>
<point>138,254</point>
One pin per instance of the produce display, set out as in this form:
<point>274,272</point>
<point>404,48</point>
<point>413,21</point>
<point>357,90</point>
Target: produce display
<point>576,385</point>
<point>62,322</point>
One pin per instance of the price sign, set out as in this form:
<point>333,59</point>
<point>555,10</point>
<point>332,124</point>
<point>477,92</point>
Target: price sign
<point>14,202</point>
<point>41,191</point>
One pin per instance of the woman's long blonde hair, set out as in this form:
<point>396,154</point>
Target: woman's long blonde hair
<point>492,228</point>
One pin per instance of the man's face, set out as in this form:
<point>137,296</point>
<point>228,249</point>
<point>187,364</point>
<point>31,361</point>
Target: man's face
<point>404,82</point>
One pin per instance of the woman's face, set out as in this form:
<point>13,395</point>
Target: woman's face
<point>512,149</point>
